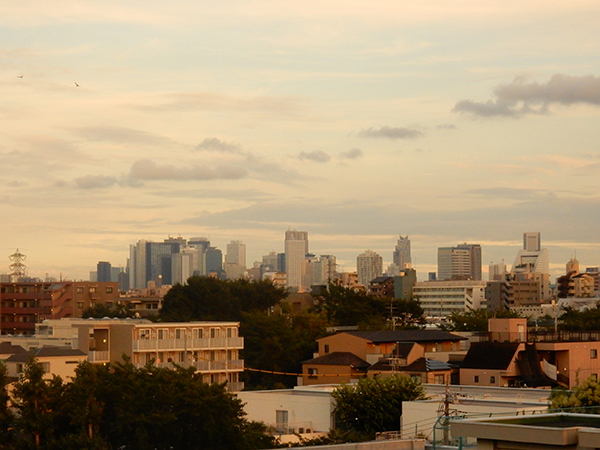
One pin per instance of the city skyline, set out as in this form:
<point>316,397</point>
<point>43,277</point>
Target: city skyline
<point>453,122</point>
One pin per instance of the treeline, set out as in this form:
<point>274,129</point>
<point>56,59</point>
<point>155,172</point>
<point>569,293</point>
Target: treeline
<point>123,407</point>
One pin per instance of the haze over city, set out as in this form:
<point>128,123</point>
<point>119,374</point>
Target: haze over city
<point>449,122</point>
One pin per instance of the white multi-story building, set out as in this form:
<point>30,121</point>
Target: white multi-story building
<point>296,248</point>
<point>369,265</point>
<point>184,264</point>
<point>440,298</point>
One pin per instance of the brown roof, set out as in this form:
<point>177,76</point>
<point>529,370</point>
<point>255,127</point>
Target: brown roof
<point>6,348</point>
<point>387,336</point>
<point>339,359</point>
<point>45,352</point>
<point>490,355</point>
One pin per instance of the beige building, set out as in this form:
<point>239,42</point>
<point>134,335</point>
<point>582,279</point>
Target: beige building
<point>54,360</point>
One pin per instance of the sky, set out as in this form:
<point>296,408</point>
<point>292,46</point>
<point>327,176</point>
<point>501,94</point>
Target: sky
<point>449,121</point>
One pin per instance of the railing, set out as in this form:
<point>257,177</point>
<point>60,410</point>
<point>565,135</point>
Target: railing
<point>235,387</point>
<point>98,356</point>
<point>205,366</point>
<point>188,344</point>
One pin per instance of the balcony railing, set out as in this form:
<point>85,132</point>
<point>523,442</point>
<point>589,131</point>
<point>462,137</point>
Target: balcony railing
<point>98,356</point>
<point>188,344</point>
<point>232,365</point>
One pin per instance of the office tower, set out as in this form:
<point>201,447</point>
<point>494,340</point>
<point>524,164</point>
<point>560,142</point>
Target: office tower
<point>533,262</point>
<point>137,265</point>
<point>184,264</point>
<point>213,261</point>
<point>151,261</point>
<point>462,262</point>
<point>496,272</point>
<point>235,260</point>
<point>404,284</point>
<point>532,242</point>
<point>103,271</point>
<point>324,270</point>
<point>401,256</point>
<point>296,248</point>
<point>270,261</point>
<point>369,265</point>
<point>202,244</point>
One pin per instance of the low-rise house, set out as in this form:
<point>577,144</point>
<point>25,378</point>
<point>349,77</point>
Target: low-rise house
<point>54,360</point>
<point>336,367</point>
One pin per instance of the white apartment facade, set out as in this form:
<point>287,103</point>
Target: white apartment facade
<point>440,298</point>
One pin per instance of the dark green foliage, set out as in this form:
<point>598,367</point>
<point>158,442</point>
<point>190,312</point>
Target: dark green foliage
<point>347,307</point>
<point>131,408</point>
<point>475,320</point>
<point>585,320</point>
<point>121,311</point>
<point>6,417</point>
<point>374,404</point>
<point>208,298</point>
<point>278,343</point>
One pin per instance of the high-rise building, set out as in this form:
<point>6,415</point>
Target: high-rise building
<point>296,248</point>
<point>235,260</point>
<point>104,273</point>
<point>534,261</point>
<point>462,262</point>
<point>151,261</point>
<point>369,265</point>
<point>213,261</point>
<point>401,256</point>
<point>496,272</point>
<point>184,264</point>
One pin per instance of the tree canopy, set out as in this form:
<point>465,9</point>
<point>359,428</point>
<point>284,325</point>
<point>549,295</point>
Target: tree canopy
<point>374,404</point>
<point>209,298</point>
<point>585,320</point>
<point>474,320</point>
<point>582,398</point>
<point>121,406</point>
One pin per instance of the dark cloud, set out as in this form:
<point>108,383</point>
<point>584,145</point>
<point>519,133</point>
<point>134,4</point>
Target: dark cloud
<point>121,135</point>
<point>523,97</point>
<point>149,170</point>
<point>95,182</point>
<point>391,133</point>
<point>218,145</point>
<point>317,155</point>
<point>353,153</point>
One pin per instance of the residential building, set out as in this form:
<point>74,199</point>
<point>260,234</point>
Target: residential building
<point>513,291</point>
<point>369,265</point>
<point>401,256</point>
<point>439,299</point>
<point>462,262</point>
<point>296,248</point>
<point>55,361</point>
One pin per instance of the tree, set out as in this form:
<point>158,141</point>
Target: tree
<point>374,404</point>
<point>345,306</point>
<point>407,313</point>
<point>121,310</point>
<point>6,417</point>
<point>573,320</point>
<point>208,298</point>
<point>584,395</point>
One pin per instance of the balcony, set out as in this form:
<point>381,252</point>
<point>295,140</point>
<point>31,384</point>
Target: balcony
<point>233,365</point>
<point>188,344</point>
<point>98,356</point>
<point>235,387</point>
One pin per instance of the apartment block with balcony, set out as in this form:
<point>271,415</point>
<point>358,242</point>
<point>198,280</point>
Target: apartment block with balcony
<point>212,348</point>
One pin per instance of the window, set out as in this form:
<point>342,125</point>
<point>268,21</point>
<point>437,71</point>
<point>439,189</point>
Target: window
<point>145,334</point>
<point>313,373</point>
<point>476,379</point>
<point>593,353</point>
<point>80,290</point>
<point>213,333</point>
<point>109,290</point>
<point>92,290</point>
<point>80,305</point>
<point>493,380</point>
<point>439,379</point>
<point>326,348</point>
<point>19,368</point>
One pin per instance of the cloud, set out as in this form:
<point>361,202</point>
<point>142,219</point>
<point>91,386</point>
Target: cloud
<point>446,126</point>
<point>391,133</point>
<point>510,193</point>
<point>121,135</point>
<point>317,156</point>
<point>353,153</point>
<point>95,182</point>
<point>146,169</point>
<point>523,97</point>
<point>218,145</point>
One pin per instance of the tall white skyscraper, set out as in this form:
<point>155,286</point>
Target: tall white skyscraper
<point>235,260</point>
<point>401,256</point>
<point>296,248</point>
<point>369,265</point>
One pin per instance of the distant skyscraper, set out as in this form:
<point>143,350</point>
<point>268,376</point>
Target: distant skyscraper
<point>532,242</point>
<point>369,265</point>
<point>235,260</point>
<point>533,262</point>
<point>296,248</point>
<point>151,261</point>
<point>462,262</point>
<point>213,261</point>
<point>104,271</point>
<point>496,272</point>
<point>401,256</point>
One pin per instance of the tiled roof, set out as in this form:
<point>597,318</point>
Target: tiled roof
<point>339,359</point>
<point>490,355</point>
<point>406,336</point>
<point>45,352</point>
<point>6,348</point>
